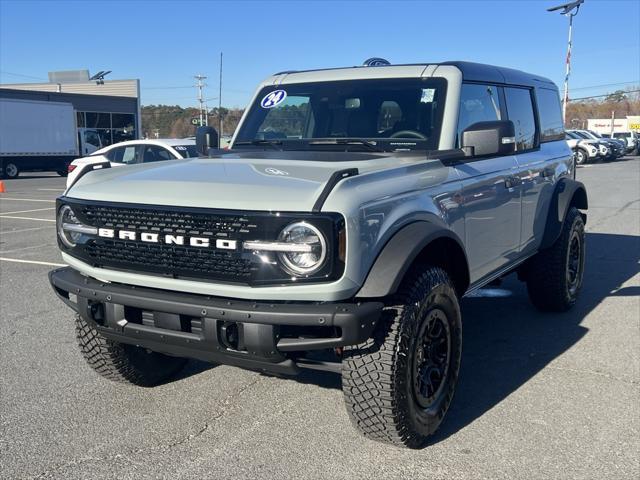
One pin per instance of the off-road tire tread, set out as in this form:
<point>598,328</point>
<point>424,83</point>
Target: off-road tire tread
<point>113,360</point>
<point>370,370</point>
<point>546,271</point>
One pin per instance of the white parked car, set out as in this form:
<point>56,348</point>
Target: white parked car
<point>584,150</point>
<point>135,151</point>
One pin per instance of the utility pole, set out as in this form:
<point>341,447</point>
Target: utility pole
<point>613,120</point>
<point>220,121</point>
<point>200,86</point>
<point>571,10</point>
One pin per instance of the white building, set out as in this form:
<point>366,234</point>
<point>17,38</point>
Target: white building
<point>603,125</point>
<point>112,107</point>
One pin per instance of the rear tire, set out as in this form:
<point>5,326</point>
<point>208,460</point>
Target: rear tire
<point>554,275</point>
<point>10,170</point>
<point>124,363</point>
<point>398,385</point>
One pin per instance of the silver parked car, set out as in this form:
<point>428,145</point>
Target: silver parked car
<point>353,211</point>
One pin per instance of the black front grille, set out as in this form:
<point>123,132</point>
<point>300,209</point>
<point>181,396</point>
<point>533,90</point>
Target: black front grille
<point>165,221</point>
<point>185,261</point>
<point>197,262</point>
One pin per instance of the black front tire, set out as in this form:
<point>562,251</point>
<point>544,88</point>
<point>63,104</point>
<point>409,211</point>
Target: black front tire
<point>124,363</point>
<point>554,275</point>
<point>397,387</point>
<point>581,157</point>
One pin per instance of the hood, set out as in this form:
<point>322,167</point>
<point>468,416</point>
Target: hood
<point>267,181</point>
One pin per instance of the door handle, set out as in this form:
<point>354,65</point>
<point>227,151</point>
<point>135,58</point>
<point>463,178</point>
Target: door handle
<point>511,181</point>
<point>547,172</point>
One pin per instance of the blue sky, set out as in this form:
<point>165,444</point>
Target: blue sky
<point>165,43</point>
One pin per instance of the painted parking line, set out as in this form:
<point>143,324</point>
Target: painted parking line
<point>20,230</point>
<point>34,262</point>
<point>31,247</point>
<point>28,218</point>
<point>27,199</point>
<point>27,211</point>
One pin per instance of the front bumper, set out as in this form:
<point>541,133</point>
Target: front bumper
<point>255,335</point>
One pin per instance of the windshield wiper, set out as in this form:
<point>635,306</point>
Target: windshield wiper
<point>258,143</point>
<point>347,141</point>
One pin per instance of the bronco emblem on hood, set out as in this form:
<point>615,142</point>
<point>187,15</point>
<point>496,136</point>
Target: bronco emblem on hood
<point>275,171</point>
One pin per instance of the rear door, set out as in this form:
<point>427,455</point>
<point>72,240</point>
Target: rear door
<point>541,152</point>
<point>490,190</point>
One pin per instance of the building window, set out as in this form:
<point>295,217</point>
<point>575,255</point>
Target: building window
<point>111,127</point>
<point>98,120</point>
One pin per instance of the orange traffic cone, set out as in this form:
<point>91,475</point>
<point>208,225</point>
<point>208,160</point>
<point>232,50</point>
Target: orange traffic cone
<point>2,190</point>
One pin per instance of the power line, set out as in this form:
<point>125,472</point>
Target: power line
<point>22,75</point>
<point>600,96</point>
<point>606,85</point>
<point>166,88</point>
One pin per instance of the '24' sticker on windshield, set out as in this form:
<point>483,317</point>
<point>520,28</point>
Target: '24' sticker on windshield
<point>274,98</point>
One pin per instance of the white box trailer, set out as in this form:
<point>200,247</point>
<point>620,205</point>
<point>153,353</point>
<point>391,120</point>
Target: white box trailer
<point>39,135</point>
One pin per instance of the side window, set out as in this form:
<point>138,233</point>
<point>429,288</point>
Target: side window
<point>478,103</point>
<point>520,111</point>
<point>153,153</point>
<point>113,154</point>
<point>92,138</point>
<point>124,155</point>
<point>551,127</point>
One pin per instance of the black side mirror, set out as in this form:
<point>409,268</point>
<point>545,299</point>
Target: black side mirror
<point>489,138</point>
<point>206,138</point>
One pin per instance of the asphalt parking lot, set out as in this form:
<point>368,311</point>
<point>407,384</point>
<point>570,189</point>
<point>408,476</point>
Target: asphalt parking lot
<point>540,395</point>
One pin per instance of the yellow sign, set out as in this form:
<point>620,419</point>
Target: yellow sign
<point>634,126</point>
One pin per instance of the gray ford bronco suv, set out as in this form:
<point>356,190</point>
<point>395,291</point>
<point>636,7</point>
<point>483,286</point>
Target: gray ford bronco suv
<point>355,208</point>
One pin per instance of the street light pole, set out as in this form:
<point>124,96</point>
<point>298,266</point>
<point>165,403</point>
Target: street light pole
<point>565,96</point>
<point>570,10</point>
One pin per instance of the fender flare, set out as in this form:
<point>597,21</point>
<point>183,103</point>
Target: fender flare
<point>399,253</point>
<point>568,192</point>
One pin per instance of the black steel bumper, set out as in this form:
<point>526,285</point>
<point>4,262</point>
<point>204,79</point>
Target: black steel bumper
<point>256,335</point>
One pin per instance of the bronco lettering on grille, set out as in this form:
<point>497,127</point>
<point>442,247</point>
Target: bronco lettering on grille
<point>150,237</point>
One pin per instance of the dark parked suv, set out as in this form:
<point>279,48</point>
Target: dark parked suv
<point>354,210</point>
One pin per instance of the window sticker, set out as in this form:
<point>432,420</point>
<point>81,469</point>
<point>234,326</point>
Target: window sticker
<point>273,99</point>
<point>427,95</point>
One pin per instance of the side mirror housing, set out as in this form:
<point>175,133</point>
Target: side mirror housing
<point>206,138</point>
<point>489,138</point>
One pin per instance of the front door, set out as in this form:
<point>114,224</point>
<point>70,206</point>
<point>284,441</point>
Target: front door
<point>491,204</point>
<point>490,190</point>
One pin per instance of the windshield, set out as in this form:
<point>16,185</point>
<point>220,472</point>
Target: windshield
<point>583,135</point>
<point>595,134</point>
<point>186,151</point>
<point>381,114</point>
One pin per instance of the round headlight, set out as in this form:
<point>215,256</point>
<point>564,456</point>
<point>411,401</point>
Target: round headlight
<point>66,217</point>
<point>309,248</point>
